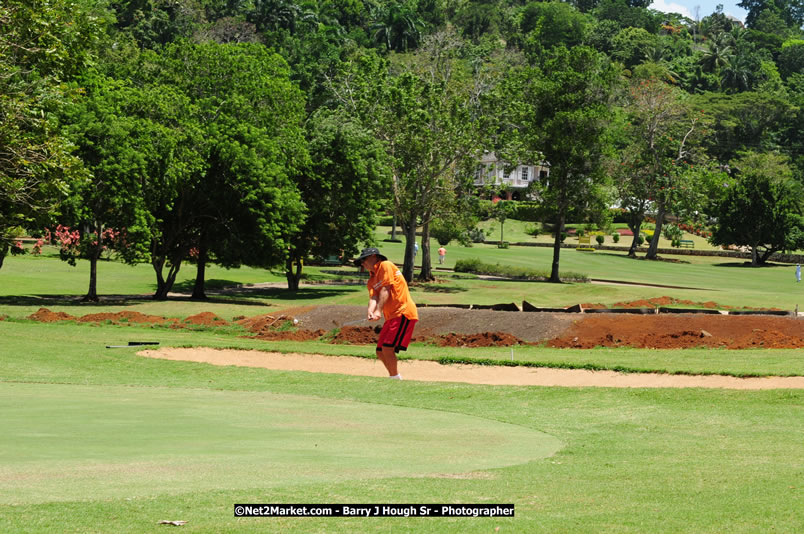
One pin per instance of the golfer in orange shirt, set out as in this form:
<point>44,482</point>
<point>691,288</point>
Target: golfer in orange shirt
<point>388,297</point>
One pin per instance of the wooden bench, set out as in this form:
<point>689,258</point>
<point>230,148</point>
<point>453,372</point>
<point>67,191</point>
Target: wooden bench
<point>686,243</point>
<point>584,243</point>
<point>332,259</point>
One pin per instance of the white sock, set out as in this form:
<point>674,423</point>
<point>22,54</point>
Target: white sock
<point>396,377</point>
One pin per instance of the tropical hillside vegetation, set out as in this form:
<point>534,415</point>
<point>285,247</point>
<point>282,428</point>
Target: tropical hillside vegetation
<point>268,132</point>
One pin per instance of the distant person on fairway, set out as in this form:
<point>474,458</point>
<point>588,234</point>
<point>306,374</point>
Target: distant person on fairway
<point>389,297</point>
<point>798,272</point>
<point>442,253</point>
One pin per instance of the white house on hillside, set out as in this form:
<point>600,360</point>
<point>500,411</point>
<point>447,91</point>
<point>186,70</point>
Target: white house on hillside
<point>513,182</point>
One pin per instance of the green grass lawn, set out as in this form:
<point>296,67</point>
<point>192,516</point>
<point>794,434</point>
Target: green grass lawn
<point>101,440</point>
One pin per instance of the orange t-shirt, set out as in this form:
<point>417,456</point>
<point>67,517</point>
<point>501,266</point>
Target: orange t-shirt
<point>386,274</point>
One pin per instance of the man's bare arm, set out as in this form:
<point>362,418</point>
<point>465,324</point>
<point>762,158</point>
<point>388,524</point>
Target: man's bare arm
<point>377,302</point>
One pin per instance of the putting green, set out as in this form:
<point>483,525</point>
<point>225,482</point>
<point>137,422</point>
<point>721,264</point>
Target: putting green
<point>76,442</point>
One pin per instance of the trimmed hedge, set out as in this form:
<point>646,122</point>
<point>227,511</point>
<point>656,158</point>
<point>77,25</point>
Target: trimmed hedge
<point>476,266</point>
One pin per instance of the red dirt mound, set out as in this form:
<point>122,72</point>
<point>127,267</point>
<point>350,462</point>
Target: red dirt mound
<point>367,335</point>
<point>357,335</point>
<point>683,331</point>
<point>260,324</point>
<point>125,317</point>
<point>485,339</point>
<point>43,315</point>
<point>205,319</point>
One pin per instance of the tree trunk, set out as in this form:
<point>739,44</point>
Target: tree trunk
<point>635,224</point>
<point>3,252</point>
<point>426,273</point>
<point>393,229</point>
<point>293,277</point>
<point>754,256</point>
<point>164,285</point>
<point>654,242</point>
<point>410,240</point>
<point>200,273</point>
<point>634,242</point>
<point>95,251</point>
<point>92,292</point>
<point>557,247</point>
<point>158,263</point>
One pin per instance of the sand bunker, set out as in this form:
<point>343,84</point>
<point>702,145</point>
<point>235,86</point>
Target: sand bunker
<point>429,371</point>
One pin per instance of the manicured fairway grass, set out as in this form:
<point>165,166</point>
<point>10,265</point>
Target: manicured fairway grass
<point>101,440</point>
<point>61,440</point>
<point>631,460</point>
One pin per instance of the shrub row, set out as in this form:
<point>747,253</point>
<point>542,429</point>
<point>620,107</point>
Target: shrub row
<point>476,266</point>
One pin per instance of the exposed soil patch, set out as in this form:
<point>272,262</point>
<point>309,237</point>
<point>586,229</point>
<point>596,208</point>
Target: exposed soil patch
<point>43,315</point>
<point>358,335</point>
<point>434,322</point>
<point>485,339</point>
<point>683,331</point>
<point>471,374</point>
<point>205,319</point>
<point>482,328</point>
<point>454,327</point>
<point>125,317</point>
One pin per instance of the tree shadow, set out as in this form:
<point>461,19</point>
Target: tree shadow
<point>245,296</point>
<point>747,265</point>
<point>214,284</point>
<point>642,258</point>
<point>281,293</point>
<point>435,288</point>
<point>72,300</point>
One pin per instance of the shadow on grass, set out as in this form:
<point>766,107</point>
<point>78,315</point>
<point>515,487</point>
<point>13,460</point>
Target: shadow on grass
<point>642,257</point>
<point>282,293</point>
<point>72,300</point>
<point>747,265</point>
<point>246,296</point>
<point>435,288</point>
<point>209,285</point>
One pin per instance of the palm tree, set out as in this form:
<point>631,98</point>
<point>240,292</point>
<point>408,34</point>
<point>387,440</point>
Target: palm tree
<point>397,25</point>
<point>716,55</point>
<point>738,75</point>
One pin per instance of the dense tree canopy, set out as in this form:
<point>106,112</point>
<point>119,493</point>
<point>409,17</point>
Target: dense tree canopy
<point>228,131</point>
<point>764,210</point>
<point>42,46</point>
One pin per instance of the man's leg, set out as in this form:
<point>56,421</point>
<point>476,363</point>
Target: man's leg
<point>388,357</point>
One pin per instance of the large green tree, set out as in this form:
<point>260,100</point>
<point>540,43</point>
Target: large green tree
<point>661,128</point>
<point>559,112</point>
<point>764,210</point>
<point>119,149</point>
<point>424,117</point>
<point>233,175</point>
<point>343,190</point>
<point>791,11</point>
<point>43,45</point>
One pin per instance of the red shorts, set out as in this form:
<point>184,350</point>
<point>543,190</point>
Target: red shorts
<point>396,333</point>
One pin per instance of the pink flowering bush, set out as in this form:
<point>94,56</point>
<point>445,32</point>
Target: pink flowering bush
<point>73,244</point>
